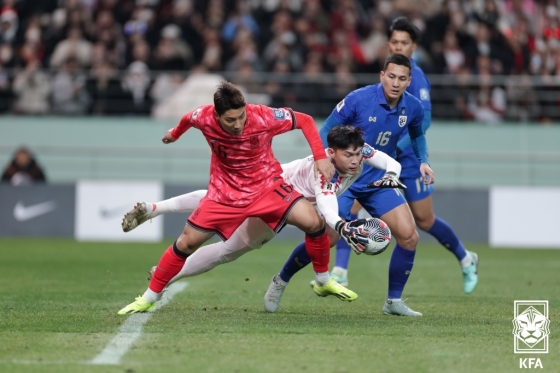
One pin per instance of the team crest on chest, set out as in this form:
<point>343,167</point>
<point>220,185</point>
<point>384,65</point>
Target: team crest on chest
<point>402,120</point>
<point>254,141</point>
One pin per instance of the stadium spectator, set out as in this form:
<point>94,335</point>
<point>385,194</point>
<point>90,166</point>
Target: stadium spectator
<point>189,36</point>
<point>23,169</point>
<point>137,83</point>
<point>32,89</point>
<point>69,95</point>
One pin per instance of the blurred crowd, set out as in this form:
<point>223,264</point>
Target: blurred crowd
<point>125,56</point>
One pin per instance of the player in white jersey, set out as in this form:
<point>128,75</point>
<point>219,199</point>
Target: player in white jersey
<point>348,153</point>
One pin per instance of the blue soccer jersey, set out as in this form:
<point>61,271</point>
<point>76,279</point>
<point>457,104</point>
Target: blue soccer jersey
<point>367,109</point>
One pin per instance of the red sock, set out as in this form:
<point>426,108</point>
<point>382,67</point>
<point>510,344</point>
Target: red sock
<point>319,250</point>
<point>169,265</point>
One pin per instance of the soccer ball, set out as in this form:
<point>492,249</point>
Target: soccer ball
<point>379,236</point>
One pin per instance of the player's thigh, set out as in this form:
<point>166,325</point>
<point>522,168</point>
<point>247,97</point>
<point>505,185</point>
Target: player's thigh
<point>212,217</point>
<point>191,239</point>
<point>401,223</point>
<point>304,216</point>
<point>252,233</point>
<point>390,206</point>
<point>356,207</point>
<point>423,212</point>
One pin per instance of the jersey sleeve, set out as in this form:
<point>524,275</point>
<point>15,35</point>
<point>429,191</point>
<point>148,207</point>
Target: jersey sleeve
<point>326,200</point>
<point>345,110</point>
<point>280,120</point>
<point>417,137</point>
<point>187,121</point>
<point>380,160</point>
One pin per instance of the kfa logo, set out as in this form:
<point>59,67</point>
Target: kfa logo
<point>531,327</point>
<point>402,120</point>
<point>254,141</point>
<point>530,362</point>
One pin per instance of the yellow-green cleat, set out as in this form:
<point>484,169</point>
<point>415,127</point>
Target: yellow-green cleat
<point>139,305</point>
<point>334,288</point>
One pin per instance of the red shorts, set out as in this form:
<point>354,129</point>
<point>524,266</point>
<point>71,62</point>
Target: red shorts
<point>273,207</point>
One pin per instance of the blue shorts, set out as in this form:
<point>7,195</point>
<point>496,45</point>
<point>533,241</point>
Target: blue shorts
<point>376,202</point>
<point>416,190</point>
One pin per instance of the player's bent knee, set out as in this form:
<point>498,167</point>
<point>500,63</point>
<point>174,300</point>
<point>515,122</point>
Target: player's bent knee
<point>407,239</point>
<point>425,222</point>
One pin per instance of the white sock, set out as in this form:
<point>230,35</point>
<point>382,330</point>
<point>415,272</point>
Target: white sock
<point>466,261</point>
<point>183,203</point>
<point>151,296</point>
<point>322,278</point>
<point>340,272</point>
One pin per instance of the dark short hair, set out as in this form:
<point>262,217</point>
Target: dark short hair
<point>403,24</point>
<point>345,136</point>
<point>228,97</point>
<point>398,59</point>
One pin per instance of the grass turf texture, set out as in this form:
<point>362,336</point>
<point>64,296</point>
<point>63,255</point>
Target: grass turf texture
<point>59,300</point>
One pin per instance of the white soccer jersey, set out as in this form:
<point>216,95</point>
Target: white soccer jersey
<point>300,174</point>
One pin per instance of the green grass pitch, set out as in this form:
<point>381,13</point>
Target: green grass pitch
<point>59,301</point>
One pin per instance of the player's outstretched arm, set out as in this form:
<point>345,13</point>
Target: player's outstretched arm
<point>322,164</point>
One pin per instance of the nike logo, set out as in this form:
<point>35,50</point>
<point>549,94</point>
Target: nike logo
<point>111,213</point>
<point>22,213</point>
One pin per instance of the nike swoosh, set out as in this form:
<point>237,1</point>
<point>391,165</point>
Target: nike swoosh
<point>111,213</point>
<point>22,213</point>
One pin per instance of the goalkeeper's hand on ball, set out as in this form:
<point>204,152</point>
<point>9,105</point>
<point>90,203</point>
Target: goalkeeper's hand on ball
<point>389,180</point>
<point>353,234</point>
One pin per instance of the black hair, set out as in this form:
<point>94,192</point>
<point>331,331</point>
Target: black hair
<point>403,24</point>
<point>345,136</point>
<point>398,59</point>
<point>228,97</point>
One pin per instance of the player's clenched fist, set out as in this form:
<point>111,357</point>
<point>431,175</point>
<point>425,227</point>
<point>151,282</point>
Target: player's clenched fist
<point>325,167</point>
<point>168,138</point>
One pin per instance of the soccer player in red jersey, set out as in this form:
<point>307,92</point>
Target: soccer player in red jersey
<point>245,180</point>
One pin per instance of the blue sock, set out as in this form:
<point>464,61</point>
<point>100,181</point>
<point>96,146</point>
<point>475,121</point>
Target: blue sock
<point>400,266</point>
<point>343,250</point>
<point>297,261</point>
<point>447,237</point>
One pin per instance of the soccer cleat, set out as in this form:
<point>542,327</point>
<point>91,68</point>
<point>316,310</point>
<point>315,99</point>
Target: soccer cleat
<point>273,295</point>
<point>399,308</point>
<point>139,305</point>
<point>470,274</point>
<point>138,215</point>
<point>334,288</point>
<point>341,280</point>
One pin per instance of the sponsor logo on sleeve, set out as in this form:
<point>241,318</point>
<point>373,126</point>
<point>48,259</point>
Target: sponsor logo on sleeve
<point>279,114</point>
<point>195,114</point>
<point>367,151</point>
<point>424,94</point>
<point>340,106</point>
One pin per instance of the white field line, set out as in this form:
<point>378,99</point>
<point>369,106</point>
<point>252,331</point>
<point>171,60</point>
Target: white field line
<point>131,330</point>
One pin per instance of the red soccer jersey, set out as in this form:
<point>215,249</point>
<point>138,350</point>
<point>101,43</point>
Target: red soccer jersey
<point>242,166</point>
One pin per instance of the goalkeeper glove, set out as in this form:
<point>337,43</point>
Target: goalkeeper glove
<point>353,234</point>
<point>389,180</point>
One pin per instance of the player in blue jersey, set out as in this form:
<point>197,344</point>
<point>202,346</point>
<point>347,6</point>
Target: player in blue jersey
<point>383,111</point>
<point>402,36</point>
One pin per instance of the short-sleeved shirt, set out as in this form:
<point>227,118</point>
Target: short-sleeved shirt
<point>242,166</point>
<point>367,109</point>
